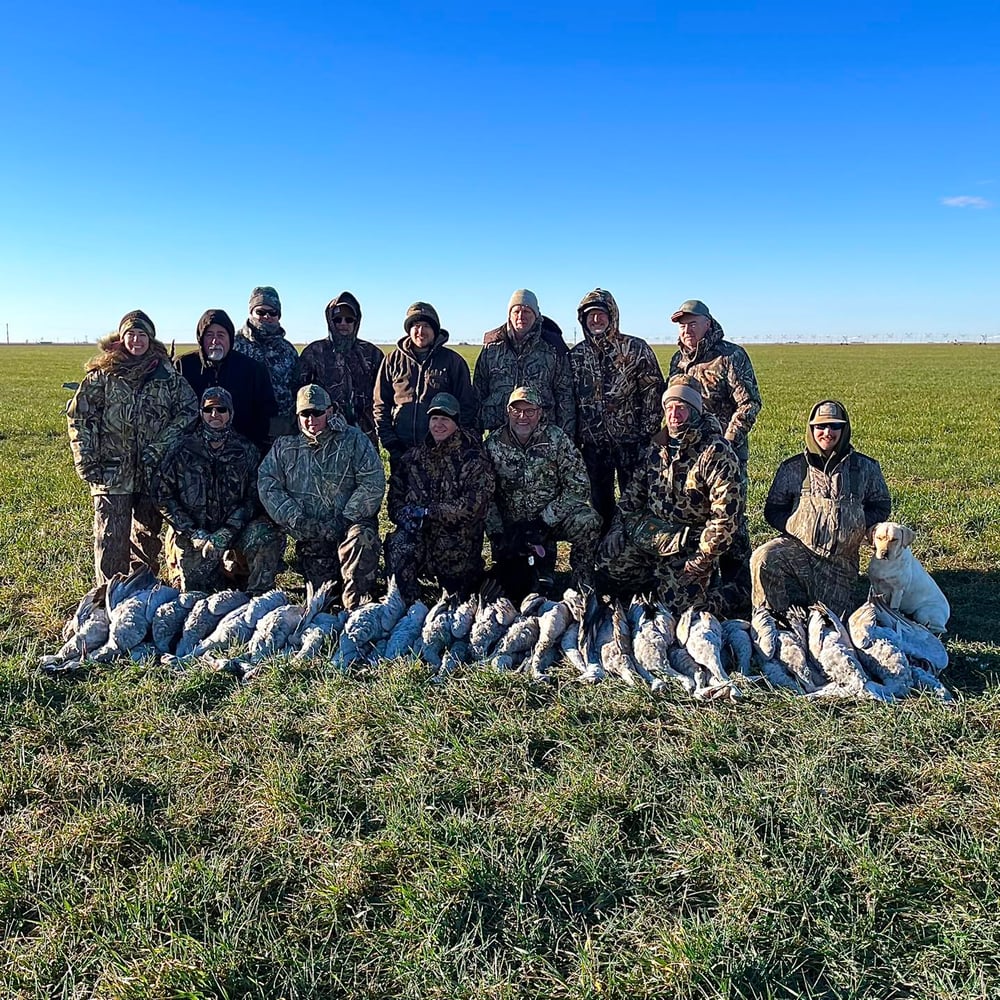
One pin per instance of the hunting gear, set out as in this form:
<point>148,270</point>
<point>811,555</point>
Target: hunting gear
<point>679,513</point>
<point>215,363</point>
<point>439,494</point>
<point>130,409</point>
<point>542,496</point>
<point>733,398</point>
<point>418,369</point>
<point>262,338</point>
<point>345,365</point>
<point>825,502</point>
<point>524,357</point>
<point>324,486</point>
<point>618,384</point>
<point>527,299</point>
<point>206,490</point>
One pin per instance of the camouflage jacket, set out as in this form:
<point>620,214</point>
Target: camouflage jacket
<point>504,364</point>
<point>406,385</point>
<point>551,333</point>
<point>731,392</point>
<point>119,433</point>
<point>854,476</point>
<point>545,477</point>
<point>346,367</point>
<point>617,381</point>
<point>200,488</point>
<point>693,480</point>
<point>338,476</point>
<point>280,359</point>
<point>453,480</point>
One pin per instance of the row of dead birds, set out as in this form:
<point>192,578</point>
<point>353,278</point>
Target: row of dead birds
<point>877,654</point>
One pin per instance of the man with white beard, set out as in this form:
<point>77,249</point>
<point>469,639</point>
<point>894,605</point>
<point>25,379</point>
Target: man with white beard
<point>215,363</point>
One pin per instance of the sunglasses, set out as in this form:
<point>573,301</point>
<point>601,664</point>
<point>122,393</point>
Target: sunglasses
<point>215,409</point>
<point>311,413</point>
<point>266,313</point>
<point>826,427</point>
<point>344,318</point>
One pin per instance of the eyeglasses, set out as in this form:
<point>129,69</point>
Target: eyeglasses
<point>266,313</point>
<point>215,409</point>
<point>523,411</point>
<point>311,413</point>
<point>345,318</point>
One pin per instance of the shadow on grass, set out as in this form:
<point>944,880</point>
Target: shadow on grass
<point>975,604</point>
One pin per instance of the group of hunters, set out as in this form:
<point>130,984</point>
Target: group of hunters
<point>245,442</point>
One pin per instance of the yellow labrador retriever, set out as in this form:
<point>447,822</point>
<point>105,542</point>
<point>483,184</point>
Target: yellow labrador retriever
<point>898,578</point>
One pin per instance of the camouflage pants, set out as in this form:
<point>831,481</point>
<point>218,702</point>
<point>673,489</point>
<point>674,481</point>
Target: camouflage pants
<point>251,562</point>
<point>126,533</point>
<point>351,562</point>
<point>636,571</point>
<point>785,573</point>
<point>452,555</point>
<point>602,465</point>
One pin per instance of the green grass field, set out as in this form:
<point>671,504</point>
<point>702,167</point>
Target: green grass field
<point>313,836</point>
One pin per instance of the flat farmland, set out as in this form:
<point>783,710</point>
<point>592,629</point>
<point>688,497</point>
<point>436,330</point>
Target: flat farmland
<point>310,835</point>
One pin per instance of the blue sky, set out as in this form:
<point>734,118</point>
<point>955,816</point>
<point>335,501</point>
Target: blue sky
<point>789,164</point>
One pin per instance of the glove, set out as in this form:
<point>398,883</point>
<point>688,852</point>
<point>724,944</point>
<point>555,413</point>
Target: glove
<point>697,569</point>
<point>411,517</point>
<point>614,543</point>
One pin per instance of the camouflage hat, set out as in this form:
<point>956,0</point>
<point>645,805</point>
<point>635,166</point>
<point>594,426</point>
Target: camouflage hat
<point>828,412</point>
<point>686,389</point>
<point>265,295</point>
<point>312,397</point>
<point>694,307</point>
<point>215,393</point>
<point>137,320</point>
<point>525,394</point>
<point>444,403</point>
<point>422,311</point>
<point>524,297</point>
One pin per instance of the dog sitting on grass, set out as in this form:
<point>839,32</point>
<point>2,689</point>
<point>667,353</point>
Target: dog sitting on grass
<point>898,578</point>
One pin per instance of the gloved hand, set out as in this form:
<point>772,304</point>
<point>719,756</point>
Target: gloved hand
<point>614,543</point>
<point>698,569</point>
<point>411,517</point>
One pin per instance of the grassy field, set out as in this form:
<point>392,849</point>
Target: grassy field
<point>315,836</point>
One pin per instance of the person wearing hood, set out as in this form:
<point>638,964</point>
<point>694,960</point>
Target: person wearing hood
<point>206,489</point>
<point>417,370</point>
<point>618,383</point>
<point>324,486</point>
<point>523,356</point>
<point>215,363</point>
<point>733,398</point>
<point>679,514</point>
<point>438,498</point>
<point>262,338</point>
<point>825,502</point>
<point>345,365</point>
<point>542,496</point>
<point>128,411</point>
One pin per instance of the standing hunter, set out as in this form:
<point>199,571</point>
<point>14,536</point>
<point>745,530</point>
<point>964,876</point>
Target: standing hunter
<point>130,409</point>
<point>438,498</point>
<point>524,357</point>
<point>344,364</point>
<point>733,398</point>
<point>324,486</point>
<point>679,514</point>
<point>262,338</point>
<point>618,384</point>
<point>206,490</point>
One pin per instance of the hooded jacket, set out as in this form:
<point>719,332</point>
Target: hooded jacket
<point>120,428</point>
<point>280,361</point>
<point>243,378</point>
<point>842,474</point>
<point>345,366</point>
<point>693,479</point>
<point>335,477</point>
<point>406,384</point>
<point>729,382</point>
<point>505,364</point>
<point>616,380</point>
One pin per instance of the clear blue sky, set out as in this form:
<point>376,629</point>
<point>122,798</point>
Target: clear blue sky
<point>809,170</point>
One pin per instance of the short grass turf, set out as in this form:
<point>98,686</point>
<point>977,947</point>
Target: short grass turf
<point>314,836</point>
